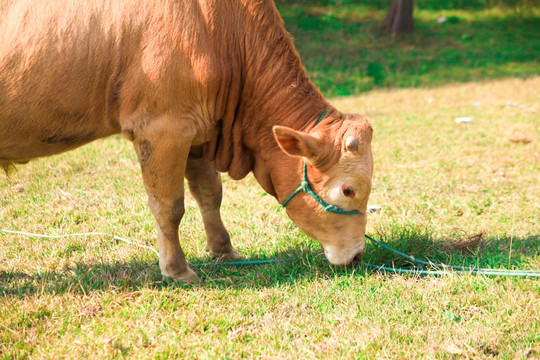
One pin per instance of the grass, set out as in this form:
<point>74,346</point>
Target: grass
<point>465,194</point>
<point>438,183</point>
<point>345,51</point>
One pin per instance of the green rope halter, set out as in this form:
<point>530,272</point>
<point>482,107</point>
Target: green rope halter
<point>304,186</point>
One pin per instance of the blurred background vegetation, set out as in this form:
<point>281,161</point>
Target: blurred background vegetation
<point>345,50</point>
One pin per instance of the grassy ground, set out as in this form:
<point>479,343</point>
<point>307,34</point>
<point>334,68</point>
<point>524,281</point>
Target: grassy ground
<point>459,193</point>
<point>345,51</point>
<point>439,183</point>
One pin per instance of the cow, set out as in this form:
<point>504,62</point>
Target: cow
<point>200,87</point>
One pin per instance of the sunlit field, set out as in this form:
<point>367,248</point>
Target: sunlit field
<point>459,193</point>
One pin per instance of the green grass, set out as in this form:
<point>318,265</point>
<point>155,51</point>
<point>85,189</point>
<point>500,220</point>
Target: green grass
<point>346,52</point>
<point>438,183</point>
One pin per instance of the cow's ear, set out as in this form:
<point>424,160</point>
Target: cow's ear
<point>297,143</point>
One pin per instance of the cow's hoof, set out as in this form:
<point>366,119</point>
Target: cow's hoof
<point>188,276</point>
<point>232,255</point>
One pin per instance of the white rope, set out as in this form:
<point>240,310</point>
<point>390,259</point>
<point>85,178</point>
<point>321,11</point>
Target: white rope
<point>80,234</point>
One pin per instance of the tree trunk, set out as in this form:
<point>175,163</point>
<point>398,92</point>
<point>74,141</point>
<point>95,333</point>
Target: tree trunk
<point>399,19</point>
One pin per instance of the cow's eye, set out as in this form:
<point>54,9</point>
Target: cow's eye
<point>348,190</point>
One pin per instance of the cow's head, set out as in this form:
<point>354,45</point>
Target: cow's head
<point>339,170</point>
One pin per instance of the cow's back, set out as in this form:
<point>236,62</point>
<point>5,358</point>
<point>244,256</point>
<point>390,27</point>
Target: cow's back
<point>69,69</point>
<point>56,63</point>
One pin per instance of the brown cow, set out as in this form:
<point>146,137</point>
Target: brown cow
<point>196,85</point>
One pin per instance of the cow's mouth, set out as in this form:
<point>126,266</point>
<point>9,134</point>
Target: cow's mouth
<point>343,258</point>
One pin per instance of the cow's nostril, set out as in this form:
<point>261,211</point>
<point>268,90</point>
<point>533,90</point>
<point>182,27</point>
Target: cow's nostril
<point>358,257</point>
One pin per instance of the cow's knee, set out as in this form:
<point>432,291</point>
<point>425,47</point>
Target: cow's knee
<point>167,212</point>
<point>177,211</point>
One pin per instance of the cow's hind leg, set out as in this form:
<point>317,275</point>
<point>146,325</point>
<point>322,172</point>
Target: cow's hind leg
<point>163,147</point>
<point>205,186</point>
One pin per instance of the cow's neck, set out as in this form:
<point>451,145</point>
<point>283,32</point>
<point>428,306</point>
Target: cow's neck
<point>276,91</point>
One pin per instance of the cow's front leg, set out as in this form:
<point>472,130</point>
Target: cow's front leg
<point>163,147</point>
<point>205,186</point>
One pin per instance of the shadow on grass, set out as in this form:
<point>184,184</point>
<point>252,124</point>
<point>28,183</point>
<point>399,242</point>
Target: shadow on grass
<point>345,52</point>
<point>299,266</point>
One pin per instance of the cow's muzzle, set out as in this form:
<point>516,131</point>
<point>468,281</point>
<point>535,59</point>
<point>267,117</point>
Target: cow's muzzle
<point>342,256</point>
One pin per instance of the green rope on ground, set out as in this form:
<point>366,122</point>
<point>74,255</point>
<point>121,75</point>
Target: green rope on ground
<point>445,269</point>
